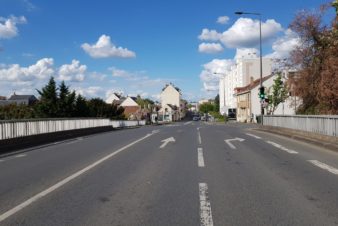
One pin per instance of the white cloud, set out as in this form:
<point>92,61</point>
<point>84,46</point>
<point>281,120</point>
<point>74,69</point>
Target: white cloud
<point>8,26</point>
<point>213,71</point>
<point>41,70</point>
<point>210,35</point>
<point>210,48</point>
<point>246,53</point>
<point>72,72</point>
<point>90,92</point>
<point>244,33</point>
<point>284,45</point>
<point>223,19</point>
<point>104,48</point>
<point>130,76</point>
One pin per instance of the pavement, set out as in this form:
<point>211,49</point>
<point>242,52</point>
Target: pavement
<point>188,173</point>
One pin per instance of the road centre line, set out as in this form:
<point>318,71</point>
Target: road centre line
<point>45,192</point>
<point>281,147</point>
<point>205,206</point>
<point>252,135</point>
<point>324,166</point>
<point>200,158</point>
<point>187,123</point>
<point>199,137</point>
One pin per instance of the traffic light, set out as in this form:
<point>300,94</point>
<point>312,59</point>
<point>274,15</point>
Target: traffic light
<point>261,92</point>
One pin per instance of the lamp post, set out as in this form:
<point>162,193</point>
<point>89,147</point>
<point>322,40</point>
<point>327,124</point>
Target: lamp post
<point>260,51</point>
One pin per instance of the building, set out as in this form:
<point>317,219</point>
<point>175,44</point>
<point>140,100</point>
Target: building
<point>113,98</point>
<point>131,108</point>
<point>249,103</point>
<point>172,103</point>
<point>240,75</point>
<point>19,100</point>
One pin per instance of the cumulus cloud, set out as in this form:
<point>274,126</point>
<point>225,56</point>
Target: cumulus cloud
<point>284,45</point>
<point>8,26</point>
<point>209,35</point>
<point>40,70</point>
<point>223,19</point>
<point>213,71</point>
<point>128,75</point>
<point>246,53</point>
<point>210,48</point>
<point>90,92</point>
<point>104,48</point>
<point>244,33</point>
<point>72,72</point>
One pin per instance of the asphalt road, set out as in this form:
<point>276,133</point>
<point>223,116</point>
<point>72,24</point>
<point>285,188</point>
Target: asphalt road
<point>188,173</point>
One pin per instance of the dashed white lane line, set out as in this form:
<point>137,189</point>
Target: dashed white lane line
<point>252,135</point>
<point>205,206</point>
<point>281,147</point>
<point>200,157</point>
<point>199,137</point>
<point>324,166</point>
<point>187,123</point>
<point>38,196</point>
<point>20,156</point>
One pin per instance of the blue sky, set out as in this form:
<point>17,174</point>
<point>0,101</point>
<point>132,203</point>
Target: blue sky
<point>133,46</point>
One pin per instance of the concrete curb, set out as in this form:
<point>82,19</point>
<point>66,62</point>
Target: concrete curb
<point>316,139</point>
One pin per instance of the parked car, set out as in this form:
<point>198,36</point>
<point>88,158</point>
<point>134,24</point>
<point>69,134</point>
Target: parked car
<point>196,118</point>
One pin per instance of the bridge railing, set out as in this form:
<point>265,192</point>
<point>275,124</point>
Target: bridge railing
<point>320,124</point>
<point>20,128</point>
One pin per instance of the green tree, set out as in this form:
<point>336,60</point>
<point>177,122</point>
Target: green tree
<point>206,107</point>
<point>81,107</point>
<point>48,106</point>
<point>277,95</point>
<point>66,101</point>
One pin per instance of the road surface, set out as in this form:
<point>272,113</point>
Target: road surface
<point>188,173</point>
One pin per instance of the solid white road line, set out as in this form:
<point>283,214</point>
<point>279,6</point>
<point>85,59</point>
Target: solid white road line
<point>200,157</point>
<point>187,123</point>
<point>65,181</point>
<point>324,166</point>
<point>281,147</point>
<point>205,207</point>
<point>252,135</point>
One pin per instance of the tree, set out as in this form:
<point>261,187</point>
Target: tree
<point>278,94</point>
<point>47,106</point>
<point>206,107</point>
<point>316,81</point>
<point>81,107</point>
<point>66,101</point>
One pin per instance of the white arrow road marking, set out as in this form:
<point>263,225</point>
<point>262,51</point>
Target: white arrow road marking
<point>252,135</point>
<point>40,195</point>
<point>166,141</point>
<point>228,141</point>
<point>324,166</point>
<point>200,157</point>
<point>205,206</point>
<point>281,147</point>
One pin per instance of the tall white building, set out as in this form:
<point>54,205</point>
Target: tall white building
<point>240,74</point>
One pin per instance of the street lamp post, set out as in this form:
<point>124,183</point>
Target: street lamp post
<point>260,52</point>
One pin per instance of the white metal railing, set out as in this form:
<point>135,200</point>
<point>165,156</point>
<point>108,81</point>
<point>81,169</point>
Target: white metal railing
<point>20,128</point>
<point>321,124</point>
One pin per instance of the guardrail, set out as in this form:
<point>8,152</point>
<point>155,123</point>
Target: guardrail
<point>321,124</point>
<point>20,128</point>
